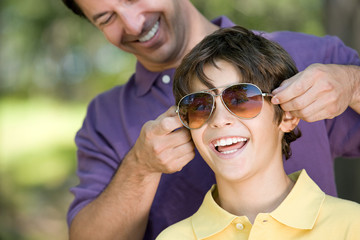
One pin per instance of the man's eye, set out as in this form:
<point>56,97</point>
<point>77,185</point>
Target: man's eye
<point>107,20</point>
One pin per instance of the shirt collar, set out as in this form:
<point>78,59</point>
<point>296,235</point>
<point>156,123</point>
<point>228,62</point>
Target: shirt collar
<point>144,78</point>
<point>303,202</point>
<point>203,220</point>
<point>300,208</point>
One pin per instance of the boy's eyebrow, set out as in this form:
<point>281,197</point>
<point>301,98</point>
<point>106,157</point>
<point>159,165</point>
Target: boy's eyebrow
<point>97,16</point>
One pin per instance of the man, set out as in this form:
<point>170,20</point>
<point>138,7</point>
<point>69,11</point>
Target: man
<point>123,152</point>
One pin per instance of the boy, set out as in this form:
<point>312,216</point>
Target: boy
<point>243,138</point>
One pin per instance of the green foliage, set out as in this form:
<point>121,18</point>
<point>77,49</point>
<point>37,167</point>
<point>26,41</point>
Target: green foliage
<point>37,166</point>
<point>45,49</point>
<point>268,15</point>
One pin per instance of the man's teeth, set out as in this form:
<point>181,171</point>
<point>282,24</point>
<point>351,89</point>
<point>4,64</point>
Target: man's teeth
<point>229,141</point>
<point>151,33</point>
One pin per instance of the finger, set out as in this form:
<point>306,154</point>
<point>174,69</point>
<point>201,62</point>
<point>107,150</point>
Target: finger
<point>300,102</point>
<point>310,114</point>
<point>180,156</point>
<point>316,110</point>
<point>184,159</point>
<point>325,107</point>
<point>290,89</point>
<point>173,158</point>
<point>185,149</point>
<point>288,115</point>
<point>166,122</point>
<point>171,112</point>
<point>181,136</point>
<point>167,125</point>
<point>174,139</point>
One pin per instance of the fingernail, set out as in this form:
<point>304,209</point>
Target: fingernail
<point>288,115</point>
<point>275,100</point>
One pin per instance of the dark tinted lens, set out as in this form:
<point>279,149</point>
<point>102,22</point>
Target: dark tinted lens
<point>244,100</point>
<point>195,109</point>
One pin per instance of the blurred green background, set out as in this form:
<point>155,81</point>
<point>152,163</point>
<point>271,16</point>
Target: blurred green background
<point>52,63</point>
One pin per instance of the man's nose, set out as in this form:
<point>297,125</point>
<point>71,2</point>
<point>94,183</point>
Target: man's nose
<point>131,19</point>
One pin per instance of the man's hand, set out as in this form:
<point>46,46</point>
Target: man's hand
<point>164,145</point>
<point>122,209</point>
<point>320,92</point>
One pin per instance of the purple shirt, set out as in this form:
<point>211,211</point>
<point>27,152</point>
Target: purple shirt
<point>114,120</point>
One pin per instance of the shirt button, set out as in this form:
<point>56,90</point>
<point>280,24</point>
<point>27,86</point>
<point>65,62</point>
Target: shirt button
<point>239,226</point>
<point>166,79</point>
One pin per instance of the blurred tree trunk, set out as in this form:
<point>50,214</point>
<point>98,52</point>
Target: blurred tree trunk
<point>342,18</point>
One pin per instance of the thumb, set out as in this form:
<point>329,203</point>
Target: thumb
<point>167,122</point>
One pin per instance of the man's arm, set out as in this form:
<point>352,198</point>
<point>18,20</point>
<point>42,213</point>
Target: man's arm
<point>321,91</point>
<point>121,211</point>
<point>354,73</point>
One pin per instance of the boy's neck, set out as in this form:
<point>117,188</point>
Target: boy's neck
<point>255,195</point>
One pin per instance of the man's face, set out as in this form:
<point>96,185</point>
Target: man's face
<point>153,30</point>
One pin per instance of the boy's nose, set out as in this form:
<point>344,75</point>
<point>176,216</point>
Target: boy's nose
<point>221,116</point>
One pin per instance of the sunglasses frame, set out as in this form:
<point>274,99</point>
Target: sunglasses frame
<point>209,91</point>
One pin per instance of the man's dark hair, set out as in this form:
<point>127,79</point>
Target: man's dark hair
<point>71,4</point>
<point>259,61</point>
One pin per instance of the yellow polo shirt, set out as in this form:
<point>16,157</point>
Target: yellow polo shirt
<point>306,213</point>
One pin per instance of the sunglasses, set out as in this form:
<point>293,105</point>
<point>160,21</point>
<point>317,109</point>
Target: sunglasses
<point>244,100</point>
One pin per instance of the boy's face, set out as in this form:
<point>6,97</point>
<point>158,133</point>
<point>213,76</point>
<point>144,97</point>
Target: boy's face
<point>235,148</point>
<point>154,31</point>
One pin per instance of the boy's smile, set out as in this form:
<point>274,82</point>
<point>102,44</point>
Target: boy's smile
<point>229,145</point>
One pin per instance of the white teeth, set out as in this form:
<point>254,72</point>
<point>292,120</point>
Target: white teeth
<point>151,33</point>
<point>229,141</point>
<point>228,152</point>
<point>222,142</point>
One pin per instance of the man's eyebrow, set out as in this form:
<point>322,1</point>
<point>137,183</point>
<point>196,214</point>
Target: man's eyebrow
<point>97,16</point>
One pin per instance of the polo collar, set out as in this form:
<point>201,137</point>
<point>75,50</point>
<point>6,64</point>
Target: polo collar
<point>300,208</point>
<point>213,215</point>
<point>144,79</point>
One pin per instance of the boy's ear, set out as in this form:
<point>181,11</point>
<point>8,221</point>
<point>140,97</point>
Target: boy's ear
<point>289,122</point>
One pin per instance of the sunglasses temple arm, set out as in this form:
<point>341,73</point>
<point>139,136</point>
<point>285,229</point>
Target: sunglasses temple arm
<point>267,94</point>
